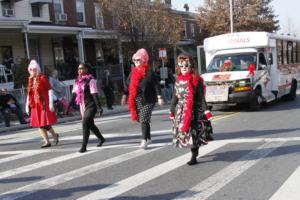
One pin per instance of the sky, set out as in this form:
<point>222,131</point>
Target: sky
<point>287,11</point>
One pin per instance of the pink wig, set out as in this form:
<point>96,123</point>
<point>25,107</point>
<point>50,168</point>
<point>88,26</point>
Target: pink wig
<point>34,65</point>
<point>141,54</point>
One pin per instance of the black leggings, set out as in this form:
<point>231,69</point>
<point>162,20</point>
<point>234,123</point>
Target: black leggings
<point>146,131</point>
<point>89,124</point>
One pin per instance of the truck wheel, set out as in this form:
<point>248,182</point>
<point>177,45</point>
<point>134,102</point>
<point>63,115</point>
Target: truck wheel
<point>256,100</point>
<point>293,93</point>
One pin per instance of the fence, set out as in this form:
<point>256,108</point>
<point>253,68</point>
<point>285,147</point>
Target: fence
<point>21,94</point>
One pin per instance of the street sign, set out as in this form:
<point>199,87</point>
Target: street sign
<point>163,73</point>
<point>162,53</point>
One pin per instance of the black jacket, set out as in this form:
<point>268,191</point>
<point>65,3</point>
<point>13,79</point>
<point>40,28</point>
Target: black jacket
<point>149,85</point>
<point>90,100</point>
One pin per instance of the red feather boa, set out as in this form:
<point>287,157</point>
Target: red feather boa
<point>193,81</point>
<point>138,73</point>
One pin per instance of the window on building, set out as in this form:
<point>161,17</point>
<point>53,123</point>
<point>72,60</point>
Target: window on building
<point>193,30</point>
<point>99,16</point>
<point>185,30</point>
<point>7,9</point>
<point>6,57</point>
<point>58,6</point>
<point>36,10</point>
<point>80,13</point>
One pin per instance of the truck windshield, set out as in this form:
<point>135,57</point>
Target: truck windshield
<point>235,62</point>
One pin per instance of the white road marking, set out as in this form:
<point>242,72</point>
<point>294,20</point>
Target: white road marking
<point>148,175</point>
<point>212,184</point>
<point>290,188</point>
<point>44,163</point>
<point>18,156</point>
<point>62,178</point>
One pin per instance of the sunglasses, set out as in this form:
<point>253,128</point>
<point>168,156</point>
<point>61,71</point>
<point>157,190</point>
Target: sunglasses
<point>136,60</point>
<point>186,65</point>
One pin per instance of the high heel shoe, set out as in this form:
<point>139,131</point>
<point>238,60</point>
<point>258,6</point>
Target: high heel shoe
<point>46,145</point>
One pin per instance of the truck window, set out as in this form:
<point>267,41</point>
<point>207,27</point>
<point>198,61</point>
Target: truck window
<point>235,62</point>
<point>262,59</point>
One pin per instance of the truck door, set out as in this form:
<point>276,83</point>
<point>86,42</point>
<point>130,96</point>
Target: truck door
<point>201,59</point>
<point>264,77</point>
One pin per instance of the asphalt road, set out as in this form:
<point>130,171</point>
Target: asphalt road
<point>255,156</point>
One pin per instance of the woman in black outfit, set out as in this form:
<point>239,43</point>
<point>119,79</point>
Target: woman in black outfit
<point>85,94</point>
<point>143,92</point>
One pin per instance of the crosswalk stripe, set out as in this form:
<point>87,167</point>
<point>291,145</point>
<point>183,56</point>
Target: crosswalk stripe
<point>215,182</point>
<point>44,163</point>
<point>145,176</point>
<point>290,188</point>
<point>59,179</point>
<point>19,156</point>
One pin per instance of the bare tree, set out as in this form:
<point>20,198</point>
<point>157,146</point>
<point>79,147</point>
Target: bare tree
<point>249,15</point>
<point>145,23</point>
<point>289,27</point>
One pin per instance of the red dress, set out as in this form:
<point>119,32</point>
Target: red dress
<point>39,102</point>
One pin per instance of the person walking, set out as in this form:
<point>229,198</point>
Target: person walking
<point>58,92</point>
<point>39,104</point>
<point>189,112</point>
<point>143,92</point>
<point>108,89</point>
<point>85,94</point>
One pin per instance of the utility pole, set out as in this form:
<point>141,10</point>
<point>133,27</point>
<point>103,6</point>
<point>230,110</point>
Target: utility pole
<point>231,16</point>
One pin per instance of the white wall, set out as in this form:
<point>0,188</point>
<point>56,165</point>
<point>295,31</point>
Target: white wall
<point>23,11</point>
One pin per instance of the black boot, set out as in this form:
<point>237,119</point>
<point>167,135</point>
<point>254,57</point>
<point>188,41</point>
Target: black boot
<point>82,150</point>
<point>102,140</point>
<point>193,160</point>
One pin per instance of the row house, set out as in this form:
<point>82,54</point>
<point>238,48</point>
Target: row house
<point>59,34</point>
<point>190,34</point>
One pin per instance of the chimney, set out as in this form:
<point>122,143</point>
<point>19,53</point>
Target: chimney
<point>186,7</point>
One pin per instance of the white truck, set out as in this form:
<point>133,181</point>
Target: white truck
<point>250,67</point>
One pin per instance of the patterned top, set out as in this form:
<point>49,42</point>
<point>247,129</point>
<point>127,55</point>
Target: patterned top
<point>200,127</point>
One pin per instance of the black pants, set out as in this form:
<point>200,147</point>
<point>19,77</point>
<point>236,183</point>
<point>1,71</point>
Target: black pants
<point>89,124</point>
<point>195,151</point>
<point>146,131</point>
<point>59,108</point>
<point>6,114</point>
<point>109,95</point>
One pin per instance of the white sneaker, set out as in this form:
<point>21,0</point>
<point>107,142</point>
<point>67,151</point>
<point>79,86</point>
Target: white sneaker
<point>143,144</point>
<point>149,142</point>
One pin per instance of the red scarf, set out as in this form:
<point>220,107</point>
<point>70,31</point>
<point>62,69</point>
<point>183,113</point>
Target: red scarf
<point>193,81</point>
<point>138,73</point>
<point>34,86</point>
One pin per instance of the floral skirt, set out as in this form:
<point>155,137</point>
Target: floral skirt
<point>198,134</point>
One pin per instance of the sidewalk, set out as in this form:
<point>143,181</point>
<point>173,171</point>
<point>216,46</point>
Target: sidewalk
<point>15,125</point>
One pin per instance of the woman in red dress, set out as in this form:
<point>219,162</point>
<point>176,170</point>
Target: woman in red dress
<point>40,103</point>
